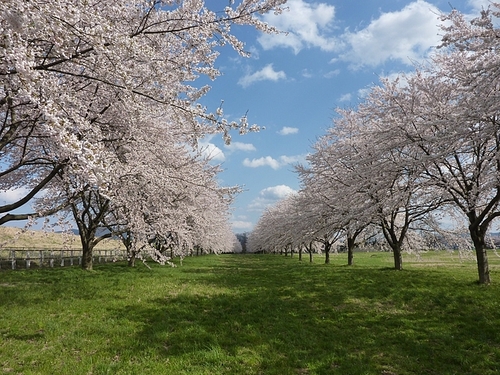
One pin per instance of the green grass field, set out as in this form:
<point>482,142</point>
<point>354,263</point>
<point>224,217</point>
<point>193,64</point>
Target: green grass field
<point>254,314</point>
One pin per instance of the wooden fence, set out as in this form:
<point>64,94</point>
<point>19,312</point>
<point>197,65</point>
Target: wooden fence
<point>23,258</point>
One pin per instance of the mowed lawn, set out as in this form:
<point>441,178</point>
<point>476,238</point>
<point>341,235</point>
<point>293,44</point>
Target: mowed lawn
<point>254,314</point>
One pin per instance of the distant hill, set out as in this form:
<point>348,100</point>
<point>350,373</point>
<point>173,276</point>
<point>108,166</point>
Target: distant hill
<point>38,239</point>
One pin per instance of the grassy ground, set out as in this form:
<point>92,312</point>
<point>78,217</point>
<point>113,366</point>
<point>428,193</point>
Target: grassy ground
<point>253,314</point>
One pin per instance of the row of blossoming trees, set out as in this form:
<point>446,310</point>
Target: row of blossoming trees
<point>420,145</point>
<point>100,118</point>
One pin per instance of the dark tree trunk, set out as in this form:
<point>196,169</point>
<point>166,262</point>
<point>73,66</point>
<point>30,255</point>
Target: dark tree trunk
<point>395,241</point>
<point>477,237</point>
<point>350,251</point>
<point>310,251</point>
<point>328,246</point>
<point>87,256</point>
<point>398,257</point>
<point>300,253</point>
<point>93,208</point>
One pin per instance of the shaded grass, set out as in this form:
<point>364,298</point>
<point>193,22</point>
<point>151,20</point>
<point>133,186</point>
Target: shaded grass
<point>253,314</point>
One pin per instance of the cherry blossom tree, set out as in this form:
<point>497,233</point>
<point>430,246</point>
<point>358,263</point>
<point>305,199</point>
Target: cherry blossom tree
<point>162,198</point>
<point>172,194</point>
<point>447,113</point>
<point>73,72</point>
<point>292,223</point>
<point>468,69</point>
<point>442,122</point>
<point>328,192</point>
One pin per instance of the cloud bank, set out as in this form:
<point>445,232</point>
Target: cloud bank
<point>305,25</point>
<point>406,35</point>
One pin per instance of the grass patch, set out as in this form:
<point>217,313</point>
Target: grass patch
<point>253,314</point>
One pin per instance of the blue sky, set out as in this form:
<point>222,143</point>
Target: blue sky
<point>292,83</point>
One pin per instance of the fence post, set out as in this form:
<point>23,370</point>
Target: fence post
<point>13,259</point>
<point>71,258</point>
<point>41,258</point>
<point>28,260</point>
<point>51,260</point>
<point>62,258</point>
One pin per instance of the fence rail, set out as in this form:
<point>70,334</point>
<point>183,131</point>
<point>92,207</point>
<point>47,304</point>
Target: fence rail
<point>23,258</point>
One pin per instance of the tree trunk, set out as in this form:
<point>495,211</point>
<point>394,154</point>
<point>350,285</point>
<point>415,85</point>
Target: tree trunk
<point>328,246</point>
<point>300,253</point>
<point>482,257</point>
<point>350,251</point>
<point>310,256</point>
<point>398,257</point>
<point>131,258</point>
<point>87,258</point>
<point>395,241</point>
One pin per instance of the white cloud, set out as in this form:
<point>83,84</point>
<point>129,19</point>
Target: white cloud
<point>269,196</point>
<point>241,224</point>
<point>276,192</point>
<point>262,162</point>
<point>211,151</point>
<point>332,73</point>
<point>286,130</point>
<point>345,98</point>
<point>304,25</point>
<point>240,146</point>
<point>291,159</point>
<point>269,161</point>
<point>254,53</point>
<point>406,35</point>
<point>306,73</point>
<point>11,196</point>
<point>265,74</point>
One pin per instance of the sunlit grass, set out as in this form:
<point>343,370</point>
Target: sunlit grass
<point>253,314</point>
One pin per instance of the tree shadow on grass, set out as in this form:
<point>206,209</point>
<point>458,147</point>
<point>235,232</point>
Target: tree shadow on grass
<point>276,319</point>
